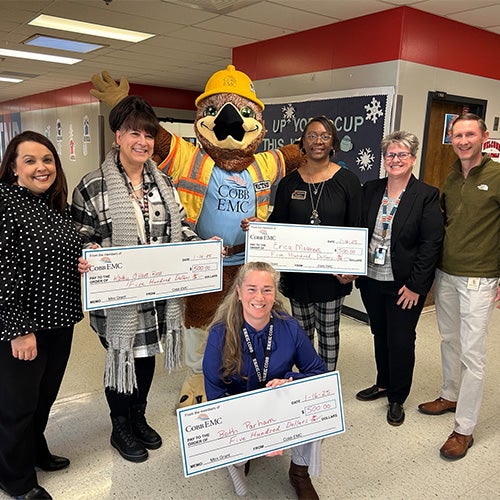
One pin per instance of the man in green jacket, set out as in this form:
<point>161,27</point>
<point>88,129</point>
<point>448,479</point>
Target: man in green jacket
<point>466,286</point>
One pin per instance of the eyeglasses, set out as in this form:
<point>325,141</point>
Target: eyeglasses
<point>313,137</point>
<point>402,156</point>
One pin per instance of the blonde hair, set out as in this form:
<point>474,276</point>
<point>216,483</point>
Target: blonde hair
<point>230,314</point>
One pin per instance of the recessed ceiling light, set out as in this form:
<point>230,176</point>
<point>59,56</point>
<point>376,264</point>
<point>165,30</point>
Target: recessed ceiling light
<point>51,42</point>
<point>38,57</point>
<point>10,80</point>
<point>60,23</point>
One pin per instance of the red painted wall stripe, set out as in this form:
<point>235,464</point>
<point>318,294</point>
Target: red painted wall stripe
<point>401,33</point>
<point>161,97</point>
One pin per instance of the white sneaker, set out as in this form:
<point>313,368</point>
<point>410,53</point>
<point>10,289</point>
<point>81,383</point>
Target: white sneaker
<point>237,473</point>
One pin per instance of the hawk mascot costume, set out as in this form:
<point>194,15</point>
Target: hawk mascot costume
<point>220,184</point>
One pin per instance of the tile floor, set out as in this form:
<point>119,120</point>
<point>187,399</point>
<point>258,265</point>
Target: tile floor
<point>371,460</point>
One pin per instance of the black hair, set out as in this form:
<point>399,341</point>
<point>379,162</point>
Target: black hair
<point>58,191</point>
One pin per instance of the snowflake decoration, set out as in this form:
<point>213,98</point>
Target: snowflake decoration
<point>365,159</point>
<point>373,110</point>
<point>288,113</point>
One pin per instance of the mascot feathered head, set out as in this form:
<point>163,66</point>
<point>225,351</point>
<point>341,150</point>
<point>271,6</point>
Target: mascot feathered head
<point>229,122</point>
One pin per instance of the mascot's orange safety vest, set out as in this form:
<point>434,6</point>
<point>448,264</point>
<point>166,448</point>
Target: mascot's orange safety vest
<point>191,168</point>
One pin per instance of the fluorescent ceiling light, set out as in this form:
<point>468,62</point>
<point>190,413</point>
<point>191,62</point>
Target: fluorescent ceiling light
<point>10,80</point>
<point>51,42</point>
<point>38,57</point>
<point>60,23</point>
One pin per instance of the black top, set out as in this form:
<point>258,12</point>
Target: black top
<point>39,278</point>
<point>338,205</point>
<point>416,235</point>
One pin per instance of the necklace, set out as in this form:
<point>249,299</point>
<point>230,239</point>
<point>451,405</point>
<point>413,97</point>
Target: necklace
<point>316,188</point>
<point>141,200</point>
<point>314,219</point>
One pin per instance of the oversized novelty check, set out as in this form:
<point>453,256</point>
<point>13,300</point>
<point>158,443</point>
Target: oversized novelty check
<point>126,275</point>
<point>252,424</point>
<point>308,249</point>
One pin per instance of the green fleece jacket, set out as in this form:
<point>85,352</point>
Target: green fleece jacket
<point>472,221</point>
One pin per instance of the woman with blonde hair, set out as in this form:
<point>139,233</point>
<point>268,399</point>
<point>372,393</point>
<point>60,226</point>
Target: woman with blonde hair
<point>254,343</point>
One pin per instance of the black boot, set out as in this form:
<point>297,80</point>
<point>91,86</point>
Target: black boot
<point>125,442</point>
<point>142,431</point>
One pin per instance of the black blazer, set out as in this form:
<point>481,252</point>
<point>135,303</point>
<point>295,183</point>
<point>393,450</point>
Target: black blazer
<point>417,231</point>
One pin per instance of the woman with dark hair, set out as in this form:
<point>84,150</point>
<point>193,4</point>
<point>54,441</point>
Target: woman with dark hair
<point>128,201</point>
<point>238,360</point>
<point>39,306</point>
<point>319,192</point>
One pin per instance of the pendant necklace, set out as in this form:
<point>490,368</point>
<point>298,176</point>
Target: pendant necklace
<point>316,188</point>
<point>314,219</point>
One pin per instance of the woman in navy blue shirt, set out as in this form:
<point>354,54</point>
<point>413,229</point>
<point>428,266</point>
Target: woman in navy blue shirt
<point>251,319</point>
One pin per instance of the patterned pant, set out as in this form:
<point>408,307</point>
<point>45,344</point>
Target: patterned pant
<point>324,317</point>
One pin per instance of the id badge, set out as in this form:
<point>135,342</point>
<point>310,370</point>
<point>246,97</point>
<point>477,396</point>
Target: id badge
<point>380,254</point>
<point>473,284</point>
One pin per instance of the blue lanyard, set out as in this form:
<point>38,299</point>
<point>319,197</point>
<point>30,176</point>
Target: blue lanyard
<point>261,376</point>
<point>387,219</point>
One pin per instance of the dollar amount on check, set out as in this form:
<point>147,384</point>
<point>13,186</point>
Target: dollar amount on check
<point>313,249</point>
<point>255,423</point>
<point>126,275</point>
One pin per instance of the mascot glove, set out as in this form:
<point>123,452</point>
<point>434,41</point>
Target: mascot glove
<point>107,90</point>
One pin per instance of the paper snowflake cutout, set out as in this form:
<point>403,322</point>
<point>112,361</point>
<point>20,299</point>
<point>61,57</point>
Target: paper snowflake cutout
<point>365,159</point>
<point>373,110</point>
<point>288,113</point>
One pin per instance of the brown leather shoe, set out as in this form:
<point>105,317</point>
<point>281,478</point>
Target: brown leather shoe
<point>438,406</point>
<point>456,446</point>
<point>301,481</point>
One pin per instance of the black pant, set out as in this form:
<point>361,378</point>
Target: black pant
<point>120,403</point>
<point>394,336</point>
<point>27,391</point>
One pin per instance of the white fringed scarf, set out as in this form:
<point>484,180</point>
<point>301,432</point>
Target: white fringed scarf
<point>122,322</point>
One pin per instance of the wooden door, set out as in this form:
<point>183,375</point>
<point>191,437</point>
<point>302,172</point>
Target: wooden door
<point>437,157</point>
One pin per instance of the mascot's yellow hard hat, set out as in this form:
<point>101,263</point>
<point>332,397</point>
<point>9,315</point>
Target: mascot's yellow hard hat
<point>230,81</point>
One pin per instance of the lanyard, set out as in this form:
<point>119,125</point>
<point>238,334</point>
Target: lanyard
<point>261,376</point>
<point>387,219</point>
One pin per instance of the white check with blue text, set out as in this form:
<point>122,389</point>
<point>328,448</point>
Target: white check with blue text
<point>308,249</point>
<point>128,275</point>
<point>237,428</point>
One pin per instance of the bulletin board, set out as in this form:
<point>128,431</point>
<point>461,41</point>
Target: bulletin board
<point>362,118</point>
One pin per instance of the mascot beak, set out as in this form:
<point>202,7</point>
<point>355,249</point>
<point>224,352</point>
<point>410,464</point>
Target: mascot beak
<point>234,126</point>
<point>229,123</point>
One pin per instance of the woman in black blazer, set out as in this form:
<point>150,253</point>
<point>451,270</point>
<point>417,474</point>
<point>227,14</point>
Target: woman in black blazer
<point>405,226</point>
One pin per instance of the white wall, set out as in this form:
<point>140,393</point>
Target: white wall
<point>412,83</point>
<point>85,155</point>
<point>416,80</point>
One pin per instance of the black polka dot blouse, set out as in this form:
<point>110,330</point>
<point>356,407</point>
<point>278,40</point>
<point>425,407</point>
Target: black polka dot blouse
<point>39,278</point>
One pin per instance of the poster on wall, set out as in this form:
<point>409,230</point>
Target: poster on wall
<point>449,118</point>
<point>10,126</point>
<point>361,116</point>
<point>492,147</point>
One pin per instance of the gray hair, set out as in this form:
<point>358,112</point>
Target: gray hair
<point>403,138</point>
